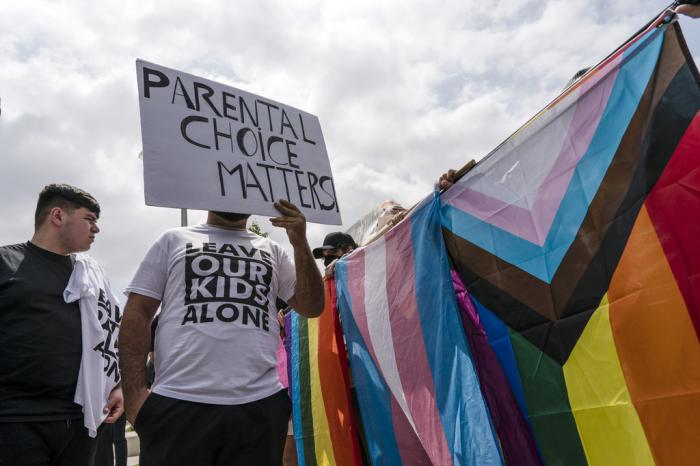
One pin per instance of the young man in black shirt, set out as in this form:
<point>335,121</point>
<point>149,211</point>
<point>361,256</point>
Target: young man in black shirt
<point>40,337</point>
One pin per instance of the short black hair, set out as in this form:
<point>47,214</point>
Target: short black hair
<point>64,196</point>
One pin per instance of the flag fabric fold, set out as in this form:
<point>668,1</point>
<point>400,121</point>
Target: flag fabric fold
<point>573,337</point>
<point>416,386</point>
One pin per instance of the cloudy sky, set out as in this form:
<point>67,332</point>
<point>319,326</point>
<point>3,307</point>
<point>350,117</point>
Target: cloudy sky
<point>404,90</point>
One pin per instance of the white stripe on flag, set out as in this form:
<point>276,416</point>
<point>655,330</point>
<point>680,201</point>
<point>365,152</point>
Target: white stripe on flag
<point>378,325</point>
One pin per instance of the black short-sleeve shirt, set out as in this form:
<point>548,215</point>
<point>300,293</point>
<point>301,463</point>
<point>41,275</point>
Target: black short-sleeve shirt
<point>40,337</point>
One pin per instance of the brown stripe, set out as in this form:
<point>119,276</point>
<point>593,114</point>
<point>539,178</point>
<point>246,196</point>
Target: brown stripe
<point>474,263</point>
<point>616,183</point>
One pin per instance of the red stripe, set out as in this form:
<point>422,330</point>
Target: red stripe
<point>674,208</point>
<point>334,387</point>
<point>343,359</point>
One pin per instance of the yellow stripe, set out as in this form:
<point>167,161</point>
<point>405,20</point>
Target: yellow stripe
<point>322,435</point>
<point>607,421</point>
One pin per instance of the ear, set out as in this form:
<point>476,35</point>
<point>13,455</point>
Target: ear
<point>57,216</point>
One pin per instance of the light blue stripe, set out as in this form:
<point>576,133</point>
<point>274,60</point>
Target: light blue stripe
<point>296,392</point>
<point>372,393</point>
<point>465,419</point>
<point>543,261</point>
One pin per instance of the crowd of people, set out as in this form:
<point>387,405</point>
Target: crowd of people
<point>216,398</point>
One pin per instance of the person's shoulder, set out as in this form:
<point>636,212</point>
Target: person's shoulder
<point>175,233</point>
<point>90,263</point>
<point>11,255</point>
<point>14,247</point>
<point>10,250</point>
<point>264,241</point>
<point>279,252</point>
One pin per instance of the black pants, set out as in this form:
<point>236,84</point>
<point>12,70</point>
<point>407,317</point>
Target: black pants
<point>111,444</point>
<point>46,443</point>
<point>182,433</point>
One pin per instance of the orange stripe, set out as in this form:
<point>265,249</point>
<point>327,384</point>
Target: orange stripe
<point>333,383</point>
<point>658,349</point>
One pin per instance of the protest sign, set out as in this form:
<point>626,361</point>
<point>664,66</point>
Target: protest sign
<point>214,147</point>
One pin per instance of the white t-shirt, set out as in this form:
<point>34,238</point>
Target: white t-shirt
<point>217,335</point>
<point>99,324</point>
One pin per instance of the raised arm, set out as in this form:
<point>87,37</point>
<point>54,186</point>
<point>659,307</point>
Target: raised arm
<point>308,293</point>
<point>689,10</point>
<point>134,344</point>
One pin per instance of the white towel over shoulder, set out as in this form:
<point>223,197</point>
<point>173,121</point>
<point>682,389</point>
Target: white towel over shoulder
<point>100,315</point>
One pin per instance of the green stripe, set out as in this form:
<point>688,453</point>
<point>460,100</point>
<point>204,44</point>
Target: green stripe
<point>307,422</point>
<point>548,405</point>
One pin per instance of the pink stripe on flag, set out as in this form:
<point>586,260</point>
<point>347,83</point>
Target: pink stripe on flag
<point>589,111</point>
<point>409,446</point>
<point>409,347</point>
<point>282,365</point>
<point>356,284</point>
<point>533,224</point>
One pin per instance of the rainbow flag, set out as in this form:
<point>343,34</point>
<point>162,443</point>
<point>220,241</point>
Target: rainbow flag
<point>578,241</point>
<point>324,430</point>
<point>416,386</point>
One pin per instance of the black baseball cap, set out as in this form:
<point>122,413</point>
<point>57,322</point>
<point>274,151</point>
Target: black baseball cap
<point>332,241</point>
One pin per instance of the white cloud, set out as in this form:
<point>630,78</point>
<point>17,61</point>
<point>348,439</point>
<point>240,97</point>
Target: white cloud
<point>404,90</point>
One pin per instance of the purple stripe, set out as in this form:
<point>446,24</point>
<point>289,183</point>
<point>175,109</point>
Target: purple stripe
<point>516,438</point>
<point>409,345</point>
<point>533,224</point>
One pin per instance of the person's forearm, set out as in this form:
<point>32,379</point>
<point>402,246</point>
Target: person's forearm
<point>308,295</point>
<point>134,344</point>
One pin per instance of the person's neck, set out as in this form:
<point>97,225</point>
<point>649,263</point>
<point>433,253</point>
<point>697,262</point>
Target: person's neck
<point>213,219</point>
<point>51,243</point>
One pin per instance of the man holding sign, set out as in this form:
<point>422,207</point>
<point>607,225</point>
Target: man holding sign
<point>216,398</point>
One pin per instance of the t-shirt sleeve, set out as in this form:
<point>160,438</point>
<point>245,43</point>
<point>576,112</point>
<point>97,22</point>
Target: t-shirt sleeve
<point>152,274</point>
<point>286,274</point>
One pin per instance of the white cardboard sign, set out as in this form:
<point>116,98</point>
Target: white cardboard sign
<point>214,147</point>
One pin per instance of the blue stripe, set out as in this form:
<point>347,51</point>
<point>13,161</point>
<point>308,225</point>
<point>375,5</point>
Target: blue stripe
<point>465,419</point>
<point>499,339</point>
<point>373,395</point>
<point>296,398</point>
<point>543,261</point>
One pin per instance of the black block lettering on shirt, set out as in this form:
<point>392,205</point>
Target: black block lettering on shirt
<point>227,283</point>
<point>227,313</point>
<point>109,316</point>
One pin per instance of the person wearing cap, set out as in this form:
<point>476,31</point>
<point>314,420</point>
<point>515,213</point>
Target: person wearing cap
<point>335,246</point>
